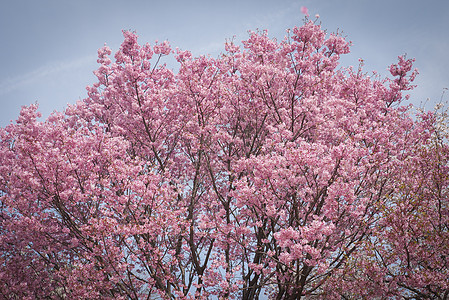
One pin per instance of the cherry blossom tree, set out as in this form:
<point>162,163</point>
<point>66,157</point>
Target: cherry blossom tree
<point>267,170</point>
<point>406,255</point>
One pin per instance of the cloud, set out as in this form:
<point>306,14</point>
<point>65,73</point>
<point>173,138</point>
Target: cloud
<point>50,70</point>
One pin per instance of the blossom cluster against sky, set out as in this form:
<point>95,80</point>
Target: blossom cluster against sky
<point>49,47</point>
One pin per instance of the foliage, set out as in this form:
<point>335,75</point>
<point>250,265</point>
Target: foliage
<point>265,170</point>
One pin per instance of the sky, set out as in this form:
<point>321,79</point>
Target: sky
<point>49,47</point>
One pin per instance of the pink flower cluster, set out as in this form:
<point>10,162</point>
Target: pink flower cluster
<point>265,170</point>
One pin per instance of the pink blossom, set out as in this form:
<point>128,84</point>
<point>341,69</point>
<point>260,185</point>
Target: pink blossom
<point>268,168</point>
<point>305,11</point>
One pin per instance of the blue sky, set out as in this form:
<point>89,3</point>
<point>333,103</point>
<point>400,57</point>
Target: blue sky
<point>48,47</point>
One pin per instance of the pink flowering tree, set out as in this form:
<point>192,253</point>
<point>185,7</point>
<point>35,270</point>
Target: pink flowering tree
<point>267,170</point>
<point>406,256</point>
